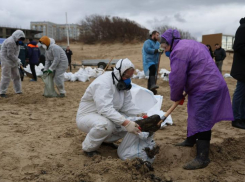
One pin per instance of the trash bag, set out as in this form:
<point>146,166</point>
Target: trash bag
<point>49,90</point>
<point>140,146</point>
<point>137,146</point>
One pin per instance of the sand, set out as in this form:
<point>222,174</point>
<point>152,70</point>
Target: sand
<point>39,139</point>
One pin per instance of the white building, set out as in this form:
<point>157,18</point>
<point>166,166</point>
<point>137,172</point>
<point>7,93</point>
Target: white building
<point>56,31</point>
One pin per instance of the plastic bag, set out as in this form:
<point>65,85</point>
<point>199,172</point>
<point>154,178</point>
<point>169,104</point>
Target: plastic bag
<point>82,78</point>
<point>49,90</point>
<point>134,146</point>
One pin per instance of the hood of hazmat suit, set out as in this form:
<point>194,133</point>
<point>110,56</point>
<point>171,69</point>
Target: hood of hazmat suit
<point>10,50</point>
<point>55,55</point>
<point>103,97</point>
<point>194,71</point>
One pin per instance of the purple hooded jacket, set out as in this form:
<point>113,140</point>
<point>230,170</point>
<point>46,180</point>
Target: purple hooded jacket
<point>194,71</point>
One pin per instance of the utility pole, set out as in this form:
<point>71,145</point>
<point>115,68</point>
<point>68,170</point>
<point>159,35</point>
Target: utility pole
<point>67,27</point>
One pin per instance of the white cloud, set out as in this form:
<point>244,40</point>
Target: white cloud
<point>197,17</point>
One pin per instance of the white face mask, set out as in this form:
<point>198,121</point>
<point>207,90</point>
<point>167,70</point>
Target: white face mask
<point>39,44</point>
<point>44,46</point>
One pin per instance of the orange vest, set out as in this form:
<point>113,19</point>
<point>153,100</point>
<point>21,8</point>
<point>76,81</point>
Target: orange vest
<point>32,46</point>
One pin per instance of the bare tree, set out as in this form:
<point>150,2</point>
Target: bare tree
<point>183,34</point>
<point>96,28</point>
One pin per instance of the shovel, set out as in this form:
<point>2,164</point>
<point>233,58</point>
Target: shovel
<point>170,110</point>
<point>27,73</point>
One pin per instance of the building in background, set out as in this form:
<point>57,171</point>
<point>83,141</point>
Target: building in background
<point>226,41</point>
<point>56,31</point>
<point>6,32</point>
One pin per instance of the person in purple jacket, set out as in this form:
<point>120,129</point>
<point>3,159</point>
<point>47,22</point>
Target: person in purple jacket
<point>34,55</point>
<point>194,71</point>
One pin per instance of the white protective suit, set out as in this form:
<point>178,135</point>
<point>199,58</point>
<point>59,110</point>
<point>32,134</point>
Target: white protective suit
<point>103,108</point>
<point>9,63</point>
<point>56,60</point>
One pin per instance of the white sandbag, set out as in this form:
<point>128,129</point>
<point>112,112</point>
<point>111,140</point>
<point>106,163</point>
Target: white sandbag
<point>99,71</point>
<point>91,72</point>
<point>227,75</point>
<point>38,71</point>
<point>27,68</point>
<point>133,146</point>
<point>73,78</point>
<point>67,76</point>
<point>142,98</point>
<point>40,66</point>
<point>141,74</point>
<point>83,78</point>
<point>162,71</point>
<point>49,90</point>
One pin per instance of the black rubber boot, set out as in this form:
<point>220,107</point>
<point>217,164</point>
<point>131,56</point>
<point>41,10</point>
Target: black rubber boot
<point>189,142</point>
<point>153,85</point>
<point>112,145</point>
<point>62,95</point>
<point>3,95</point>
<point>91,154</point>
<point>202,158</point>
<point>239,124</point>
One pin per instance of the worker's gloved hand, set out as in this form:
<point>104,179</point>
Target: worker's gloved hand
<point>160,50</point>
<point>182,101</point>
<point>19,62</point>
<point>142,115</point>
<point>132,127</point>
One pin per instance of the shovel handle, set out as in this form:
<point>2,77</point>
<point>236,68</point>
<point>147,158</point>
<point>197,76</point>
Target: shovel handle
<point>107,65</point>
<point>170,110</point>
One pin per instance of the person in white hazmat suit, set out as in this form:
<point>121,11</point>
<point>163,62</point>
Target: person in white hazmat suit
<point>104,107</point>
<point>56,61</point>
<point>10,62</point>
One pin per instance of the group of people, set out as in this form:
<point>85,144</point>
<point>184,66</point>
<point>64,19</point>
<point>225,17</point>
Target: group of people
<point>15,55</point>
<point>106,104</point>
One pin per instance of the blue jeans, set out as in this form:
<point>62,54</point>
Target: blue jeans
<point>238,102</point>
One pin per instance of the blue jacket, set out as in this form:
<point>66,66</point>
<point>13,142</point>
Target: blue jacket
<point>33,52</point>
<point>149,57</point>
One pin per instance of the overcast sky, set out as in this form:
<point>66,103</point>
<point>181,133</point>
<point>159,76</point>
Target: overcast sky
<point>196,16</point>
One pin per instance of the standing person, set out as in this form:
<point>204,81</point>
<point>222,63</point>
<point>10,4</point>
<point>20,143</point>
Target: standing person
<point>210,50</point>
<point>56,61</point>
<point>68,54</point>
<point>104,107</point>
<point>238,72</point>
<point>34,55</point>
<point>23,56</point>
<point>193,71</point>
<point>219,55</point>
<point>10,62</point>
<point>150,54</point>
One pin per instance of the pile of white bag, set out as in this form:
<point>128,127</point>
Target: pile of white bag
<point>37,68</point>
<point>83,74</point>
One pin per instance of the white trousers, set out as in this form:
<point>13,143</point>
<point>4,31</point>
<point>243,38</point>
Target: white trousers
<point>9,73</point>
<point>99,129</point>
<point>59,80</point>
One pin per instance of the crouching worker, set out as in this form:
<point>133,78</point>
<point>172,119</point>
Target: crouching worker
<point>56,61</point>
<point>193,71</point>
<point>104,107</point>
